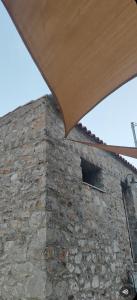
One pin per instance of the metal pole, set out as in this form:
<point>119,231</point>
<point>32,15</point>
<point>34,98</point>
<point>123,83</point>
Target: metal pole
<point>134,133</point>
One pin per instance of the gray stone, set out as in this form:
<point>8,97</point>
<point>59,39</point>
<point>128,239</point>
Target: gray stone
<point>78,258</point>
<point>61,288</point>
<point>49,289</point>
<point>21,271</point>
<point>89,257</point>
<point>93,269</point>
<point>95,282</point>
<point>82,243</point>
<point>73,286</point>
<point>103,269</point>
<point>14,177</point>
<point>35,286</point>
<point>116,247</point>
<point>36,219</point>
<point>113,267</point>
<point>77,270</point>
<point>70,267</point>
<point>73,251</point>
<point>87,285</point>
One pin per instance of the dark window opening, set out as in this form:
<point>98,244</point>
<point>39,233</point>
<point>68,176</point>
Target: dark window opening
<point>91,174</point>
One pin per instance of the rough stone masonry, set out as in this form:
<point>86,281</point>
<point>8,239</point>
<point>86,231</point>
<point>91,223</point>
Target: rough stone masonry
<point>61,238</point>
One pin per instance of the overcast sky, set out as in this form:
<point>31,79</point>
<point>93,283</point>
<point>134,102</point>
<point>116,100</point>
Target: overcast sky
<point>20,82</point>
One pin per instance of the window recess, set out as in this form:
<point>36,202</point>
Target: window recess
<point>91,174</point>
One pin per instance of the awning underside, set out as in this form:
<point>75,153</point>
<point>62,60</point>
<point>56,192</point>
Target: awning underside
<point>85,49</point>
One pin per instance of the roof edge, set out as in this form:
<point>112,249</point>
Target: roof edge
<point>96,139</point>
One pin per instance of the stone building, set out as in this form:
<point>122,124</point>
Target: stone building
<point>67,212</point>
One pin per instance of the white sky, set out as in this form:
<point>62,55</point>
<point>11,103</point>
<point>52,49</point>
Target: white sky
<point>20,82</point>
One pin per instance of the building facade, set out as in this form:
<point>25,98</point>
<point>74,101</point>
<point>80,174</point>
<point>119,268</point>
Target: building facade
<point>68,211</point>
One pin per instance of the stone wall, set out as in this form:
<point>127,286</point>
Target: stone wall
<point>22,203</point>
<point>88,250</point>
<point>60,239</point>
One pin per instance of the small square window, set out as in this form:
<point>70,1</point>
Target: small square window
<point>91,174</point>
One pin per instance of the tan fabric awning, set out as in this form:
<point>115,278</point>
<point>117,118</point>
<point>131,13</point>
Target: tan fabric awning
<point>85,49</point>
<point>126,151</point>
